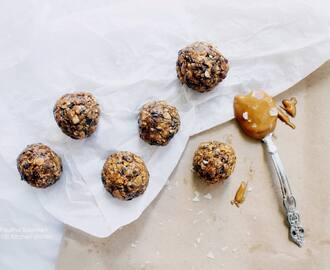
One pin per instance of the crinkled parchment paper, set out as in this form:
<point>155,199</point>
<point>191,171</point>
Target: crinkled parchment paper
<point>124,52</point>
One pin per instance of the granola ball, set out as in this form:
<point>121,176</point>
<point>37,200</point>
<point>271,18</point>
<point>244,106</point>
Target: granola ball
<point>201,66</point>
<point>125,175</point>
<point>158,122</point>
<point>39,165</point>
<point>77,114</point>
<point>214,161</point>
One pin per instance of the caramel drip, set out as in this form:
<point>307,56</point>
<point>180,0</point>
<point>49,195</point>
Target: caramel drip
<point>285,119</point>
<point>289,105</point>
<point>240,194</point>
<point>256,113</point>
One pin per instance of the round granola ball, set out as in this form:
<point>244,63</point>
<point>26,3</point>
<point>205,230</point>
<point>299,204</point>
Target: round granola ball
<point>77,114</point>
<point>39,165</point>
<point>125,175</point>
<point>201,66</point>
<point>158,122</point>
<point>214,161</point>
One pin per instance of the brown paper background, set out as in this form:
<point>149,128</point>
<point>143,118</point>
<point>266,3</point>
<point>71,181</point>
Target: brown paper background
<point>177,233</point>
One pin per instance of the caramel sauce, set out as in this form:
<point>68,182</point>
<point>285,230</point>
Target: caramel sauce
<point>285,119</point>
<point>256,113</point>
<point>240,194</point>
<point>289,105</point>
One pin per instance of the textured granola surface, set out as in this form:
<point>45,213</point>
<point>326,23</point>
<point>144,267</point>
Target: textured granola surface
<point>77,114</point>
<point>39,165</point>
<point>201,66</point>
<point>214,161</point>
<point>158,122</point>
<point>125,175</point>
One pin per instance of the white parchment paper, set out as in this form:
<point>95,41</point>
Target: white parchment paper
<point>124,52</point>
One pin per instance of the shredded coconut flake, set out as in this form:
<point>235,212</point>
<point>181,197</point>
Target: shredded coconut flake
<point>245,115</point>
<point>210,255</point>
<point>273,112</point>
<point>196,198</point>
<point>208,196</point>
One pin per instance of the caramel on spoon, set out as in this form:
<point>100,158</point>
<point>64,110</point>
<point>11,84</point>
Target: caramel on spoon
<point>256,113</point>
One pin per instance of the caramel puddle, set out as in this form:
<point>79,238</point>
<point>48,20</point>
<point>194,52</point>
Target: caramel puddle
<point>256,113</point>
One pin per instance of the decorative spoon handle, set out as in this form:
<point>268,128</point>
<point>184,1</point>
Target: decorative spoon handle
<point>289,202</point>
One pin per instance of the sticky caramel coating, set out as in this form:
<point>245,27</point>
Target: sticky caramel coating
<point>201,66</point>
<point>256,113</point>
<point>214,161</point>
<point>158,122</point>
<point>39,165</point>
<point>125,175</point>
<point>77,114</point>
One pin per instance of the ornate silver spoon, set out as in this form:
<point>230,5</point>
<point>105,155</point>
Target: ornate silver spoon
<point>296,231</point>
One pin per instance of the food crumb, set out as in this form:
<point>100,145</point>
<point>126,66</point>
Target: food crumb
<point>208,196</point>
<point>224,248</point>
<point>210,255</point>
<point>196,198</point>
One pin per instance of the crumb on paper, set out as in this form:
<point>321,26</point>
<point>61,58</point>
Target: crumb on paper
<point>234,250</point>
<point>249,189</point>
<point>224,248</point>
<point>208,196</point>
<point>254,218</point>
<point>133,245</point>
<point>198,240</point>
<point>196,197</point>
<point>210,255</point>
